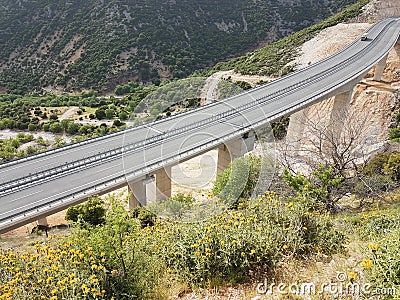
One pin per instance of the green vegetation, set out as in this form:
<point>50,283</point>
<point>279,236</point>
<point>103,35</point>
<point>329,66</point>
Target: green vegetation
<point>279,128</point>
<point>124,259</point>
<point>91,212</point>
<point>130,87</point>
<point>114,253</point>
<point>111,253</point>
<point>383,262</point>
<point>316,190</point>
<point>238,180</point>
<point>78,45</point>
<point>384,164</point>
<point>275,59</point>
<point>379,229</point>
<point>9,148</point>
<point>394,133</point>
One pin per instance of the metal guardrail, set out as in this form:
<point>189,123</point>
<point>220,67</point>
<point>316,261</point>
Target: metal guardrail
<point>106,156</point>
<point>11,186</point>
<point>122,132</point>
<point>267,97</point>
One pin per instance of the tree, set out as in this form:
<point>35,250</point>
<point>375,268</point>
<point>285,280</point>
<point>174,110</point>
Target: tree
<point>118,123</point>
<point>32,127</point>
<point>317,191</point>
<point>392,167</point>
<point>100,114</point>
<point>73,128</point>
<point>123,116</point>
<point>53,117</point>
<point>238,180</point>
<point>55,127</point>
<point>336,143</point>
<point>110,113</point>
<point>92,212</point>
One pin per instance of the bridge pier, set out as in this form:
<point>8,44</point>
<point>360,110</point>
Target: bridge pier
<point>43,222</point>
<point>298,120</point>
<point>337,116</point>
<point>160,188</point>
<point>296,127</point>
<point>341,103</point>
<point>234,149</point>
<point>138,195</point>
<point>156,186</point>
<point>379,68</point>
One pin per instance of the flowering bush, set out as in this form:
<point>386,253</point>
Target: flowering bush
<point>61,272</point>
<point>122,259</point>
<point>382,263</point>
<point>236,241</point>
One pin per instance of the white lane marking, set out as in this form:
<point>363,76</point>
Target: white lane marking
<point>54,156</point>
<point>27,196</point>
<point>68,192</point>
<point>151,128</point>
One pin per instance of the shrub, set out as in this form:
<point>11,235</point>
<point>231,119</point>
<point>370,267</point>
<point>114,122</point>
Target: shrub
<point>392,167</point>
<point>97,263</point>
<point>146,217</point>
<point>60,271</point>
<point>373,185</point>
<point>92,212</point>
<point>238,180</point>
<point>53,117</point>
<point>180,207</point>
<point>394,134</point>
<point>382,263</point>
<point>376,164</point>
<point>315,192</point>
<point>231,244</point>
<point>133,271</point>
<point>379,224</point>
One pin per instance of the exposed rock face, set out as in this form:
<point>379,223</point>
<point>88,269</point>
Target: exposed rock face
<point>379,9</point>
<point>373,104</point>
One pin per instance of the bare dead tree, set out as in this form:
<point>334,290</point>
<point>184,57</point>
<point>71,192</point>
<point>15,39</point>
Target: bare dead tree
<point>336,142</point>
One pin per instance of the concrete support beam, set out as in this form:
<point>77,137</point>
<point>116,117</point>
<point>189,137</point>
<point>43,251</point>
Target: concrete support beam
<point>341,103</point>
<point>234,149</point>
<point>296,127</point>
<point>160,188</point>
<point>138,195</point>
<point>337,117</point>
<point>397,47</point>
<point>380,67</point>
<point>43,222</point>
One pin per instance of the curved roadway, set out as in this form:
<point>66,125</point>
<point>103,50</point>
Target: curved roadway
<point>51,181</point>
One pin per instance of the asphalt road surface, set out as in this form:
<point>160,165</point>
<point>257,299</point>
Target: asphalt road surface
<point>54,180</point>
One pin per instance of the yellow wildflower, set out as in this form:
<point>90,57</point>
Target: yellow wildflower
<point>367,263</point>
<point>353,276</point>
<point>373,247</point>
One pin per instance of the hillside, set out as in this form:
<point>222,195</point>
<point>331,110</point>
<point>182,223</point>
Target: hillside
<point>283,245</point>
<point>75,45</point>
<point>276,59</point>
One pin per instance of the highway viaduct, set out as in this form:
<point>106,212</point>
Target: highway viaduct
<point>34,187</point>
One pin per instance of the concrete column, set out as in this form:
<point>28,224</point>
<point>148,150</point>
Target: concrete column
<point>397,48</point>
<point>43,222</point>
<point>138,194</point>
<point>160,188</point>
<point>380,67</point>
<point>296,127</point>
<point>337,116</point>
<point>341,103</point>
<point>234,149</point>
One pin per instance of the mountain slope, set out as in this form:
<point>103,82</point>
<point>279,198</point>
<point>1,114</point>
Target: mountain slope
<point>97,44</point>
